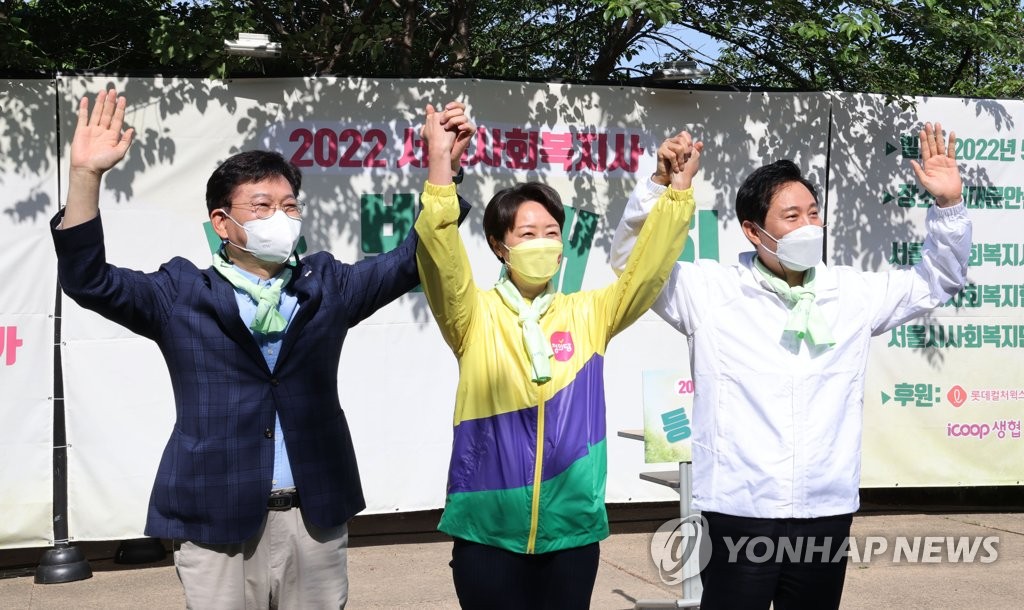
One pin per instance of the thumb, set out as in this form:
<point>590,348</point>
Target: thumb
<point>429,112</point>
<point>126,140</point>
<point>918,170</point>
<point>693,163</point>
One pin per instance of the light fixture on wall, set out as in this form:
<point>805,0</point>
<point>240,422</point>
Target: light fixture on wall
<point>253,45</point>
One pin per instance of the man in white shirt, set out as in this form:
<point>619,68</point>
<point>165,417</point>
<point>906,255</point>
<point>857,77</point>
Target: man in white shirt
<point>778,349</point>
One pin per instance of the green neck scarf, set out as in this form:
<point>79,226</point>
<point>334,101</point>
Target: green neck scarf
<point>268,319</point>
<point>537,345</point>
<point>805,318</point>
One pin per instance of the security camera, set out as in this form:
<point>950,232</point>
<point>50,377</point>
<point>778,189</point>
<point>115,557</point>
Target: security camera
<point>679,70</point>
<point>253,45</point>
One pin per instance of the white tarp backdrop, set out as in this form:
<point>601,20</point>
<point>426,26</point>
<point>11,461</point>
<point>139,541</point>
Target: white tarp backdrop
<point>363,166</point>
<point>945,395</point>
<point>28,284</point>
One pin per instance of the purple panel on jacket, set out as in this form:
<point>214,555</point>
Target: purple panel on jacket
<point>498,452</point>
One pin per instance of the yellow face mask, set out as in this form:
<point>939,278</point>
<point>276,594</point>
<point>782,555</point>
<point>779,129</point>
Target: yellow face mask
<point>535,261</point>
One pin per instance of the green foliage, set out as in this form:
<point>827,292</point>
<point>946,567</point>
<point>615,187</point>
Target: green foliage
<point>16,48</point>
<point>52,35</point>
<point>911,47</point>
<point>658,12</point>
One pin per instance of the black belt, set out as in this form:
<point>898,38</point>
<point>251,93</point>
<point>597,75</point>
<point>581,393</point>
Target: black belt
<point>283,500</point>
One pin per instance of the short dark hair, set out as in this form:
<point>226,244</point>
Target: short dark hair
<point>756,192</point>
<point>500,214</point>
<point>245,168</point>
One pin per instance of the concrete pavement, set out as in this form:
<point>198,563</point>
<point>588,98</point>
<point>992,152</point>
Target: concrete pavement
<point>416,575</point>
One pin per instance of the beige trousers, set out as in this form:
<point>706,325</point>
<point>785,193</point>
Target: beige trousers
<point>289,563</point>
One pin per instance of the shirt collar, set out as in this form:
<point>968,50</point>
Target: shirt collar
<point>825,281</point>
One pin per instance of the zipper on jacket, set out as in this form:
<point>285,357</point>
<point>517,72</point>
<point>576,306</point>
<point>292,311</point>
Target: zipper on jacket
<point>538,471</point>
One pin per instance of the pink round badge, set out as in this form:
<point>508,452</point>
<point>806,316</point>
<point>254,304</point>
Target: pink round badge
<point>561,344</point>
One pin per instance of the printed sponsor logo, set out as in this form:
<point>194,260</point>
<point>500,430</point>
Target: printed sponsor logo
<point>975,430</point>
<point>956,396</point>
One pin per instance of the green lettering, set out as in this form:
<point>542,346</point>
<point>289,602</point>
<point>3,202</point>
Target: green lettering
<point>706,223</point>
<point>374,216</point>
<point>576,248</point>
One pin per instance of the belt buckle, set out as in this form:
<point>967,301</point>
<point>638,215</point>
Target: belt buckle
<point>281,501</point>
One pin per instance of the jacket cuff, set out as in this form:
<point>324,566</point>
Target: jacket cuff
<point>655,188</point>
<point>950,212</point>
<point>448,190</point>
<point>679,195</point>
<point>76,238</point>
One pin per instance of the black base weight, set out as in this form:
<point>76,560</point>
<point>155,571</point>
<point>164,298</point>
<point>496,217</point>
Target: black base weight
<point>62,563</point>
<point>140,550</point>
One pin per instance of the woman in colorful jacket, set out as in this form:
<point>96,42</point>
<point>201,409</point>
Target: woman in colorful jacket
<point>526,483</point>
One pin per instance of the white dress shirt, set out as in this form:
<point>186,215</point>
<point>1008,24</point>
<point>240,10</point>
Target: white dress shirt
<point>777,421</point>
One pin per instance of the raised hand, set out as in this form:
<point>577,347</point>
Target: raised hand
<point>99,142</point>
<point>447,133</point>
<point>678,161</point>
<point>455,119</point>
<point>438,138</point>
<point>98,145</point>
<point>938,171</point>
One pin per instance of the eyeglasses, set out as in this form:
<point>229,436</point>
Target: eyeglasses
<point>292,209</point>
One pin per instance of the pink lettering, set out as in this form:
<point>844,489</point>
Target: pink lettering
<point>626,160</point>
<point>487,152</point>
<point>587,160</point>
<point>414,150</point>
<point>521,148</point>
<point>557,149</point>
<point>9,343</point>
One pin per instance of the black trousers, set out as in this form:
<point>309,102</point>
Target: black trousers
<point>793,563</point>
<point>490,578</point>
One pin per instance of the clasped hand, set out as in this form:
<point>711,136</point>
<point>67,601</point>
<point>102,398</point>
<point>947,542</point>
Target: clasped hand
<point>678,161</point>
<point>448,132</point>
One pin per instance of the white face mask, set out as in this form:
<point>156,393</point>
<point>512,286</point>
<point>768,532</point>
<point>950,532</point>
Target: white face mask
<point>800,249</point>
<point>270,239</point>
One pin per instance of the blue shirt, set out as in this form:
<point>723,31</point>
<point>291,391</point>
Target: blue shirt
<point>270,347</point>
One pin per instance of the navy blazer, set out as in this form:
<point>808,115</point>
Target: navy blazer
<point>215,474</point>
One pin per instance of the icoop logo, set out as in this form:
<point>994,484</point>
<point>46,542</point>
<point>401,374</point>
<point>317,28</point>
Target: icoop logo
<point>975,430</point>
<point>680,549</point>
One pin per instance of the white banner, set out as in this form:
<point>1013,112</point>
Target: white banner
<point>363,163</point>
<point>944,392</point>
<point>28,274</point>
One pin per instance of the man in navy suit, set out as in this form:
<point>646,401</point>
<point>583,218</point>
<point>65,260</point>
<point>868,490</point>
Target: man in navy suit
<point>258,479</point>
